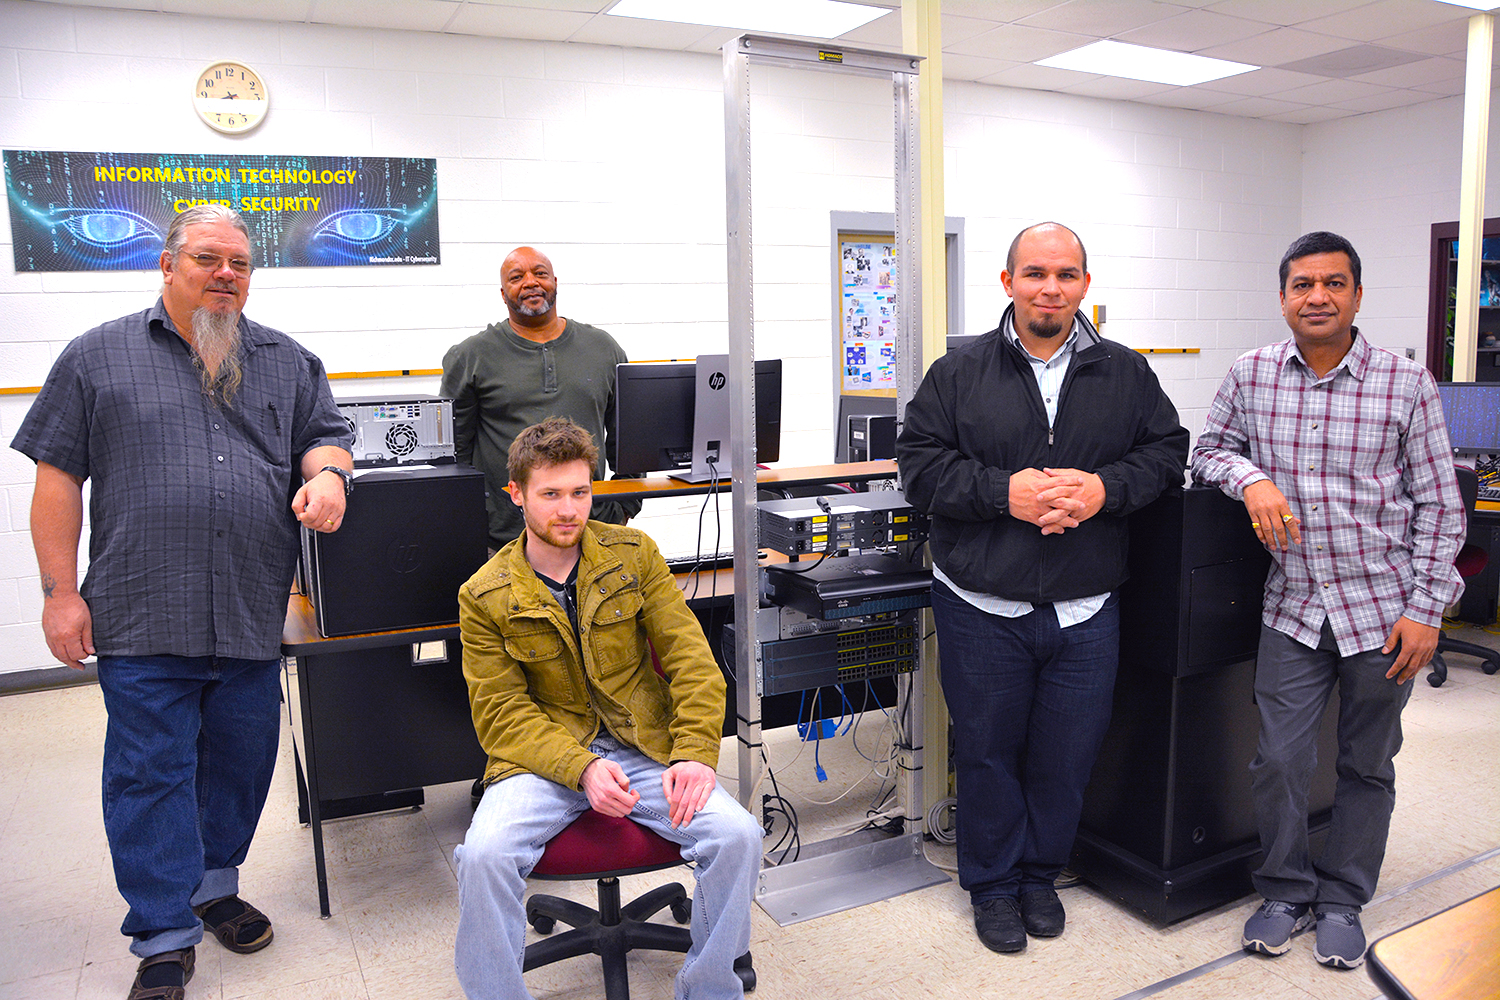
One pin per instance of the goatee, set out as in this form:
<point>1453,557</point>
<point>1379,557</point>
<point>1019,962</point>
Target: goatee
<point>1044,329</point>
<point>216,348</point>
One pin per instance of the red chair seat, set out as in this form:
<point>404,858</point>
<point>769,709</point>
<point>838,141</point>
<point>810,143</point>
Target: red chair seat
<point>598,846</point>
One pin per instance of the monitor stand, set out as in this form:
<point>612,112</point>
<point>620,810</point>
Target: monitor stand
<point>710,421</point>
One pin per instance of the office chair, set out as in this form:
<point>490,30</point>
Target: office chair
<point>604,848</point>
<point>1471,561</point>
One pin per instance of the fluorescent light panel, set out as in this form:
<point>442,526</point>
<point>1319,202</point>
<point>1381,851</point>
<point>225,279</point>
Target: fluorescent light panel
<point>813,18</point>
<point>1141,62</point>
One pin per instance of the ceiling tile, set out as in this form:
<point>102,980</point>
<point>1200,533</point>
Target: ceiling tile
<point>1257,107</point>
<point>956,29</point>
<point>603,29</point>
<point>1102,18</point>
<point>1116,88</point>
<point>271,10</point>
<point>1197,29</point>
<point>1259,82</point>
<point>580,6</point>
<point>1329,92</point>
<point>884,31</point>
<point>1387,18</point>
<point>1441,88</point>
<point>1426,71</point>
<point>1191,98</point>
<point>430,15</point>
<point>1451,39</point>
<point>1282,12</point>
<point>1037,77</point>
<point>1307,116</point>
<point>1353,61</point>
<point>1002,11</point>
<point>1274,47</point>
<point>1384,102</point>
<point>960,67</point>
<point>1019,43</point>
<point>512,22</point>
<point>714,40</point>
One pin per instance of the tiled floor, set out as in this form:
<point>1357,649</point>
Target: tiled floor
<point>395,900</point>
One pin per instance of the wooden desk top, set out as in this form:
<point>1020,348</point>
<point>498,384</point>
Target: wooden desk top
<point>1452,955</point>
<point>661,486</point>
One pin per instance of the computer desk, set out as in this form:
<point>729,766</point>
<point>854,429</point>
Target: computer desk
<point>376,725</point>
<point>1452,955</point>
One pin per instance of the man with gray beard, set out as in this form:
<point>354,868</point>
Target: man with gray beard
<point>532,365</point>
<point>191,421</point>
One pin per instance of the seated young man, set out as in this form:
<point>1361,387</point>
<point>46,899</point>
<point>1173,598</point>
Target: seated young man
<point>558,630</point>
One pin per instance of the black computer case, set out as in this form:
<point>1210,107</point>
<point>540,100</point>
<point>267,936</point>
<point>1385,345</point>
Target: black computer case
<point>409,540</point>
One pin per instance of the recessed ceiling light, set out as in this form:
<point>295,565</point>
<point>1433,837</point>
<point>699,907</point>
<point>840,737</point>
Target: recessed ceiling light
<point>813,18</point>
<point>1140,62</point>
<point>1472,4</point>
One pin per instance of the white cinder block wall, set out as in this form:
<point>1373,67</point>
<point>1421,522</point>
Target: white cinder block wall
<point>612,161</point>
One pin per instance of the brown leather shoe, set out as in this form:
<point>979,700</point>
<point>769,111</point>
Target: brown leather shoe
<point>183,958</point>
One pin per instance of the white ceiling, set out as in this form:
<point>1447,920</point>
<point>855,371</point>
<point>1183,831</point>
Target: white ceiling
<point>1322,59</point>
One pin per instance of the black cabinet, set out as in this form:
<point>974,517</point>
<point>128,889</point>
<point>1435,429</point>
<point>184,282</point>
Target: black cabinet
<point>1168,825</point>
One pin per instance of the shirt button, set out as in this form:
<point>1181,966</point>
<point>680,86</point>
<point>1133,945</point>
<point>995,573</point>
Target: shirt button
<point>221,496</point>
<point>216,426</point>
<point>1311,467</point>
<point>221,534</point>
<point>219,458</point>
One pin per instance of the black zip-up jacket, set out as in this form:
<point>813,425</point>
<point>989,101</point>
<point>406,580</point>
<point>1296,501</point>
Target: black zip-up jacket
<point>978,416</point>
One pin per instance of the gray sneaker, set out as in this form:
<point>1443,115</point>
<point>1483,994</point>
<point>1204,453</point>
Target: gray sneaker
<point>1341,941</point>
<point>1270,928</point>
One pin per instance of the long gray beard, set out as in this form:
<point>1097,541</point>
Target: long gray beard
<point>216,346</point>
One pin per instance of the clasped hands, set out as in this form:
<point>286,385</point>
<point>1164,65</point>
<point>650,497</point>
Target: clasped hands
<point>1055,499</point>
<point>687,784</point>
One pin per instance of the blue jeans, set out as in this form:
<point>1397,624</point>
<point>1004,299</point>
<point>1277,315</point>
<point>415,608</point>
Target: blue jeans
<point>1030,702</point>
<point>1292,687</point>
<point>188,755</point>
<point>511,827</point>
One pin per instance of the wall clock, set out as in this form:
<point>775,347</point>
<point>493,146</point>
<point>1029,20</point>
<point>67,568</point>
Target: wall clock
<point>231,97</point>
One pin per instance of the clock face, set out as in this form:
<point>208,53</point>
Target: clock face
<point>230,97</point>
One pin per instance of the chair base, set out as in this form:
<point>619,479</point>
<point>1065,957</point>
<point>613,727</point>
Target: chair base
<point>612,931</point>
<point>1490,658</point>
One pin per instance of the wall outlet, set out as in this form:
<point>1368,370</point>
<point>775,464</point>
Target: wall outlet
<point>1411,354</point>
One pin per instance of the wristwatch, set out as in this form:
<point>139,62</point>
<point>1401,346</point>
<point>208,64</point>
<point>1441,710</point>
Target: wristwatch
<point>344,474</point>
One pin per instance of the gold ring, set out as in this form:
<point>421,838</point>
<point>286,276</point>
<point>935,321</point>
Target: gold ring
<point>329,521</point>
<point>1255,524</point>
<point>1286,517</point>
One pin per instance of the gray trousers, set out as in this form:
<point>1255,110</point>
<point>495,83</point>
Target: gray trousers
<point>1292,687</point>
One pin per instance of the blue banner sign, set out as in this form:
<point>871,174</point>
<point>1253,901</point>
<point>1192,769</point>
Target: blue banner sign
<point>110,211</point>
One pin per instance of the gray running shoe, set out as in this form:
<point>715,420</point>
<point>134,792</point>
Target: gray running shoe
<point>1270,928</point>
<point>1341,941</point>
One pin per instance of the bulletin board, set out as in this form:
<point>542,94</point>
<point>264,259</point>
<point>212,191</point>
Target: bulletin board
<point>867,296</point>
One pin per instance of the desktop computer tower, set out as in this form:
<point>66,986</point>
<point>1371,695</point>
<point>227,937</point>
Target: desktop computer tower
<point>409,540</point>
<point>1168,825</point>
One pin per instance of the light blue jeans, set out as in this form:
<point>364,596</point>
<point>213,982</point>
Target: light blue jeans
<point>511,827</point>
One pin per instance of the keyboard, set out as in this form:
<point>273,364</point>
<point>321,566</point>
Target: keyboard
<point>680,562</point>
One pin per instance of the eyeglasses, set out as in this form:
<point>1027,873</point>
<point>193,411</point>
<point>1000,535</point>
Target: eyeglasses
<point>213,262</point>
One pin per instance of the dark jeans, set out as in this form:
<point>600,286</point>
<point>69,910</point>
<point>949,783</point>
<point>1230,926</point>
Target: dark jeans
<point>1292,687</point>
<point>188,755</point>
<point>1030,702</point>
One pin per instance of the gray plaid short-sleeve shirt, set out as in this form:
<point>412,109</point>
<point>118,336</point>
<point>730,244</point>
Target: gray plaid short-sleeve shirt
<point>192,540</point>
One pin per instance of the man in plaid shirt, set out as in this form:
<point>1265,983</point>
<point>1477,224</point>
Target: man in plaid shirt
<point>1339,451</point>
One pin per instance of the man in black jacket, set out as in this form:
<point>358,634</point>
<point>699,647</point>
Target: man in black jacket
<point>1027,449</point>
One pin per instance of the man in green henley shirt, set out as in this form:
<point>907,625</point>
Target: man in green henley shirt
<point>512,374</point>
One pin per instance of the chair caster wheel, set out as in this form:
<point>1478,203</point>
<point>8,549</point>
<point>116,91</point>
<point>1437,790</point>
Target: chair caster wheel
<point>543,924</point>
<point>746,972</point>
<point>682,911</point>
<point>1434,680</point>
